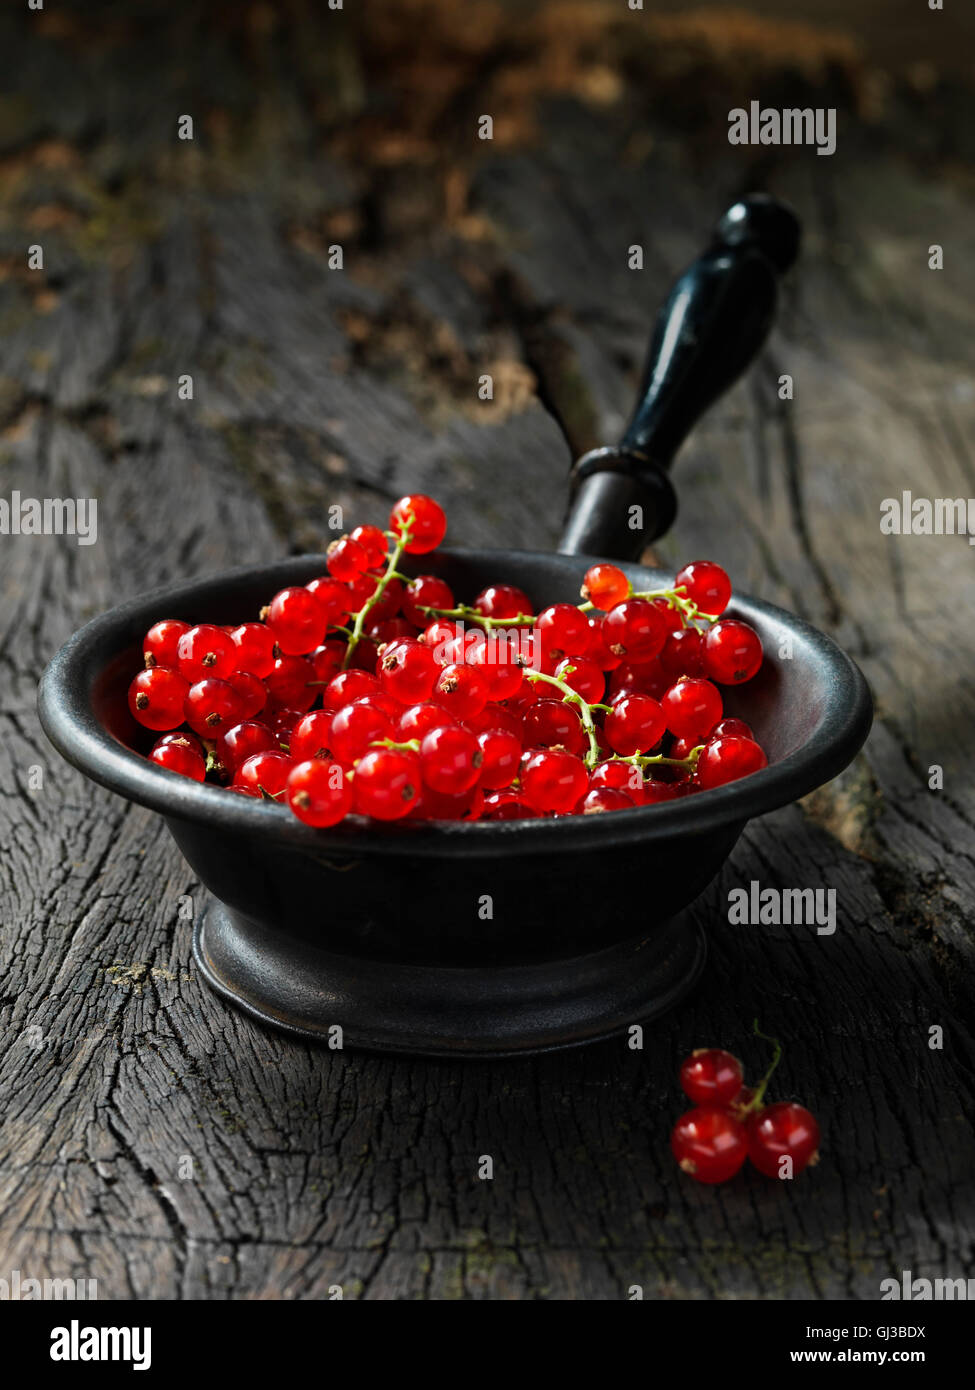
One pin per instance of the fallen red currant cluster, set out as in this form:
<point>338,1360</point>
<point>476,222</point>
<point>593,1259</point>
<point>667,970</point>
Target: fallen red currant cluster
<point>367,691</point>
<point>731,1122</point>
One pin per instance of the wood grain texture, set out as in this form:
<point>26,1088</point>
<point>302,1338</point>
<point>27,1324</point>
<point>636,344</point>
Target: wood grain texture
<point>313,387</point>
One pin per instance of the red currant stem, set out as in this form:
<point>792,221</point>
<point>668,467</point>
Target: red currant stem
<point>465,611</point>
<point>410,746</point>
<point>402,541</point>
<point>687,608</point>
<point>572,697</point>
<point>658,760</point>
<point>268,796</point>
<point>756,1102</point>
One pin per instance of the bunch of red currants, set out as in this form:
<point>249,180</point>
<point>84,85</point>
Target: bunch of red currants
<point>368,691</point>
<point>731,1122</point>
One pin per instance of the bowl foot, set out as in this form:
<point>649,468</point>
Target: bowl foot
<point>446,1011</point>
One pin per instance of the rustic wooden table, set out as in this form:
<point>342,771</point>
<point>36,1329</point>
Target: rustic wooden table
<point>156,1140</point>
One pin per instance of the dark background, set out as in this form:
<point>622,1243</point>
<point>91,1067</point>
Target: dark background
<point>313,387</point>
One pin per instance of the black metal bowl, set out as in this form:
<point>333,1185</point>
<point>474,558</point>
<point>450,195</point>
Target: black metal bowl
<point>384,930</point>
<point>514,936</point>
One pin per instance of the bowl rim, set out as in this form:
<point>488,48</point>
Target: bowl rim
<point>68,720</point>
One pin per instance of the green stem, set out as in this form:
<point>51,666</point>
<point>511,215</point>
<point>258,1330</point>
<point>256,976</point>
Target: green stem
<point>756,1101</point>
<point>360,618</point>
<point>469,614</point>
<point>572,697</point>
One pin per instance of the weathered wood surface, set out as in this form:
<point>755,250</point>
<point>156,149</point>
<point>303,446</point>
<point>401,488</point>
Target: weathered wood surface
<point>313,386</point>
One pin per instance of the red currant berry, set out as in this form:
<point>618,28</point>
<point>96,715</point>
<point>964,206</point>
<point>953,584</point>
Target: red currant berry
<point>634,725</point>
<point>709,1144</point>
<point>426,591</point>
<point>242,741</point>
<point>464,690</point>
<point>736,728</point>
<point>726,759</point>
<point>598,650</point>
<point>655,790</point>
<point>501,753</point>
<point>291,684</point>
<point>156,698</point>
<point>669,613</point>
<point>264,773</point>
<point>583,676</point>
<point>634,630</point>
<point>252,692</point>
<point>346,560</point>
<point>705,584</point>
<point>354,728</point>
<point>424,519</point>
<point>550,723</point>
<point>179,755</point>
<point>255,648</point>
<point>450,759</point>
<point>211,706</point>
<point>553,780</point>
<point>507,805</point>
<point>387,784</point>
<point>374,543</point>
<point>389,602</point>
<point>161,643</point>
<point>205,651</point>
<point>605,586</point>
<point>600,799</point>
<point>348,686</point>
<point>494,716</point>
<point>327,661</point>
<point>692,708</point>
<point>283,722</point>
<point>318,793</point>
<point>563,630</point>
<point>503,601</point>
<point>310,736</point>
<point>732,652</point>
<point>418,720</point>
<point>333,598</point>
<point>617,776</point>
<point>297,620</point>
<point>780,1131</point>
<point>711,1076</point>
<point>682,653</point>
<point>407,671</point>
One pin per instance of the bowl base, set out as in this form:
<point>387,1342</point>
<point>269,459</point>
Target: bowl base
<point>445,1011</point>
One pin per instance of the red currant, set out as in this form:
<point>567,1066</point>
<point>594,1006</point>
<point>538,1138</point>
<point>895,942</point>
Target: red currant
<point>507,805</point>
<point>348,686</point>
<point>503,601</point>
<point>709,1144</point>
<point>242,741</point>
<point>310,736</point>
<point>318,793</point>
<point>464,690</point>
<point>179,755</point>
<point>501,753</point>
<point>553,780</point>
<point>297,620</point>
<point>737,728</point>
<point>450,760</point>
<point>605,586</point>
<point>333,598</point>
<point>291,684</point>
<point>583,676</point>
<point>418,720</point>
<point>156,698</point>
<point>619,776</point>
<point>354,728</point>
<point>727,758</point>
<point>600,799</point>
<point>550,723</point>
<point>252,692</point>
<point>346,560</point>
<point>424,519</point>
<point>711,1076</point>
<point>161,643</point>
<point>327,661</point>
<point>426,591</point>
<point>682,653</point>
<point>374,543</point>
<point>264,773</point>
<point>634,725</point>
<point>407,671</point>
<point>204,651</point>
<point>692,707</point>
<point>255,648</point>
<point>634,630</point>
<point>563,630</point>
<point>732,652</point>
<point>387,784</point>
<point>705,584</point>
<point>779,1131</point>
<point>211,706</point>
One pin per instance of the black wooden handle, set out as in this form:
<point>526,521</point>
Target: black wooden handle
<point>712,326</point>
